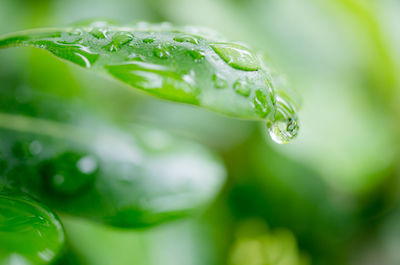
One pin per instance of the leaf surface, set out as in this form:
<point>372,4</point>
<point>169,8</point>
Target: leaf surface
<point>187,65</point>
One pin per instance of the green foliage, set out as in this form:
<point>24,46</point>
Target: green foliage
<point>78,163</point>
<point>136,179</point>
<point>185,65</point>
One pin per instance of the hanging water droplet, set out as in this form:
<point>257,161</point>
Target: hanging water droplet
<point>187,38</point>
<point>242,87</point>
<point>285,126</point>
<point>282,132</point>
<point>237,56</point>
<point>219,81</point>
<point>161,52</point>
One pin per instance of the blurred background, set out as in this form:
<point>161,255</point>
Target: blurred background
<point>330,197</point>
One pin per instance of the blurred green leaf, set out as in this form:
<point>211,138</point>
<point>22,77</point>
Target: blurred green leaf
<point>80,164</point>
<point>256,245</point>
<point>122,179</point>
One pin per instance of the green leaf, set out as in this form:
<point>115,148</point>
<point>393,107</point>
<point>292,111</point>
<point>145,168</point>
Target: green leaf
<point>185,65</point>
<point>129,178</point>
<point>29,232</point>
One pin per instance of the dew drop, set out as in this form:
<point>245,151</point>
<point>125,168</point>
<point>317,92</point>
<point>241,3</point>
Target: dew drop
<point>260,103</point>
<point>69,173</point>
<point>219,81</point>
<point>58,180</point>
<point>237,56</point>
<point>148,40</point>
<point>35,147</point>
<point>242,87</point>
<point>161,52</point>
<point>119,39</point>
<point>87,164</point>
<point>196,55</point>
<point>99,33</point>
<point>187,38</point>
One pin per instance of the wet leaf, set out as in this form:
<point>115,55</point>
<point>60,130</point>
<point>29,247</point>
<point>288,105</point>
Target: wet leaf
<point>185,65</point>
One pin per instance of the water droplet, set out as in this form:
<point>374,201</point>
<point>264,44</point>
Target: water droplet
<point>161,52</point>
<point>69,173</point>
<point>196,55</point>
<point>35,147</point>
<point>261,104</point>
<point>99,33</point>
<point>237,56</point>
<point>282,132</point>
<point>219,81</point>
<point>119,39</point>
<point>187,38</point>
<point>285,126</point>
<point>242,87</point>
<point>148,40</point>
<point>58,179</point>
<point>87,164</point>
